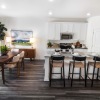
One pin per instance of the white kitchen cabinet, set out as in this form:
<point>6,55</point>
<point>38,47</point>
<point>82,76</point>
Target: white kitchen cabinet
<point>70,27</point>
<point>66,27</point>
<point>54,31</point>
<point>57,31</point>
<point>51,31</point>
<point>78,29</point>
<point>63,27</point>
<point>83,31</point>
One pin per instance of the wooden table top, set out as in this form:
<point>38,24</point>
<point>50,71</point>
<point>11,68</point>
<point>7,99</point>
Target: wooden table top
<point>4,59</point>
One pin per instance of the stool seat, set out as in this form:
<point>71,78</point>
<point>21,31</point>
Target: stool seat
<point>57,64</point>
<point>78,64</point>
<point>97,65</point>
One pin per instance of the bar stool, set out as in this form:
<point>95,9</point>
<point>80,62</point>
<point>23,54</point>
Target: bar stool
<point>78,62</point>
<point>95,64</point>
<point>58,62</point>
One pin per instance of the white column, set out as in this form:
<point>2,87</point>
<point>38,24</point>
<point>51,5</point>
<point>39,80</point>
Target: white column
<point>0,48</point>
<point>46,67</point>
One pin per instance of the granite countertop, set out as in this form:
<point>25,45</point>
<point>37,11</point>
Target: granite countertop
<point>59,48</point>
<point>80,48</point>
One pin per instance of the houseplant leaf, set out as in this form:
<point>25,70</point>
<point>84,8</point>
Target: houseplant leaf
<point>2,31</point>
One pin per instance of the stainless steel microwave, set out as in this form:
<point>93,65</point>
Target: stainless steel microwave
<point>66,36</point>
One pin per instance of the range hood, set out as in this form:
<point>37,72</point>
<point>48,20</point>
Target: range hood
<point>66,35</point>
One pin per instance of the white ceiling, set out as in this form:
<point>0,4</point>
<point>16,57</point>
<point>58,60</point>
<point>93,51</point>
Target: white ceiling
<point>60,8</point>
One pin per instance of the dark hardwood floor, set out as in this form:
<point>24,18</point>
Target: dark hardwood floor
<point>30,86</point>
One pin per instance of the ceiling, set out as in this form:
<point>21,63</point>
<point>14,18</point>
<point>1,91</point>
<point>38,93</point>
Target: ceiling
<point>59,8</point>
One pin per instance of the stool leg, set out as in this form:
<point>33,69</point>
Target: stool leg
<point>93,76</point>
<point>61,72</point>
<point>50,76</point>
<point>80,74</point>
<point>64,76</point>
<point>97,73</point>
<point>10,70</point>
<point>72,76</point>
<point>69,71</point>
<point>23,64</point>
<point>85,74</point>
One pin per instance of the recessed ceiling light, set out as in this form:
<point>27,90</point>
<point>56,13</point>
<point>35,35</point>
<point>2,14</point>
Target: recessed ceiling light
<point>50,13</point>
<point>51,0</point>
<point>3,6</point>
<point>88,14</point>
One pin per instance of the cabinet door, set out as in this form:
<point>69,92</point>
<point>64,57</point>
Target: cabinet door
<point>83,31</point>
<point>66,27</point>
<point>70,27</point>
<point>57,31</point>
<point>54,31</point>
<point>76,31</point>
<point>30,53</point>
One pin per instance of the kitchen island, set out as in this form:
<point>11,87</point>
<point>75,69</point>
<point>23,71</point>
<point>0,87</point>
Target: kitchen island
<point>68,58</point>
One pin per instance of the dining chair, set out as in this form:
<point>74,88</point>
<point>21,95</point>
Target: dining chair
<point>21,60</point>
<point>57,62</point>
<point>0,68</point>
<point>96,65</point>
<point>78,62</point>
<point>13,64</point>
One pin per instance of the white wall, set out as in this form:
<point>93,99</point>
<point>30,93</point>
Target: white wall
<point>39,27</point>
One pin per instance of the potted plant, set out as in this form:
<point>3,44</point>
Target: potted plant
<point>2,31</point>
<point>4,50</point>
<point>49,44</point>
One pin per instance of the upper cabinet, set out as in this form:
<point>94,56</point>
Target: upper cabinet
<point>51,31</point>
<point>54,31</point>
<point>57,31</point>
<point>66,26</point>
<point>78,29</point>
<point>83,31</point>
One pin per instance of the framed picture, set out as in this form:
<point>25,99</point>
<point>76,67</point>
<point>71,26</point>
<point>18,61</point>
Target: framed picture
<point>21,37</point>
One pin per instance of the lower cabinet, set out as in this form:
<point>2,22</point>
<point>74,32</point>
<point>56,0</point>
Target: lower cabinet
<point>29,53</point>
